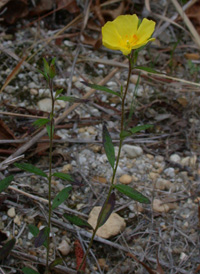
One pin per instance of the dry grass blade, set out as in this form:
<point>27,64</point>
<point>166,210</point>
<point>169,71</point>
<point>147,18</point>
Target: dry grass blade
<point>188,23</point>
<point>13,73</point>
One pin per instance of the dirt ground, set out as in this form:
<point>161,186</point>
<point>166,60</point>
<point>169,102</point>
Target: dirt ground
<point>161,162</point>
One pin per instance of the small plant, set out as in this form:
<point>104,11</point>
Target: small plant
<point>127,34</point>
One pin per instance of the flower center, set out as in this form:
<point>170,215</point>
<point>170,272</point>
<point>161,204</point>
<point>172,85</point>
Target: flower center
<point>130,40</point>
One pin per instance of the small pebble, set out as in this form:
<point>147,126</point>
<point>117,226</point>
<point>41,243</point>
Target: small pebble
<point>125,179</point>
<point>11,212</point>
<point>175,158</point>
<point>132,151</point>
<point>64,248</point>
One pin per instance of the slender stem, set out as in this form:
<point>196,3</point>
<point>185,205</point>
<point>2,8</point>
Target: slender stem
<point>50,170</point>
<point>116,165</point>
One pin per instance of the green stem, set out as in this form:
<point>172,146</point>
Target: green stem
<point>116,165</point>
<point>50,170</point>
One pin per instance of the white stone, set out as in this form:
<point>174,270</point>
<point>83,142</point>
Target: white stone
<point>64,248</point>
<point>132,151</point>
<point>113,226</point>
<point>11,212</point>
<point>170,172</point>
<point>44,104</point>
<point>175,158</point>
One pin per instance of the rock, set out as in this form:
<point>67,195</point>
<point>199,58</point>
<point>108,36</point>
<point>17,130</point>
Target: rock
<point>11,212</point>
<point>175,158</point>
<point>113,226</point>
<point>185,161</point>
<point>153,176</point>
<point>158,206</point>
<point>170,172</point>
<point>44,104</point>
<point>132,151</point>
<point>67,168</point>
<point>17,220</point>
<point>33,91</point>
<point>163,184</point>
<point>134,79</point>
<point>125,179</point>
<point>64,248</point>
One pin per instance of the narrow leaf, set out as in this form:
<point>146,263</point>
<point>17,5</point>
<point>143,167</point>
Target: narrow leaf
<point>108,146</point>
<point>140,128</point>
<point>28,270</point>
<point>59,91</point>
<point>34,230</point>
<point>46,67</point>
<point>79,254</point>
<point>63,176</point>
<point>147,69</point>
<point>5,182</point>
<point>124,134</point>
<point>42,236</point>
<point>5,250</point>
<point>55,262</point>
<point>72,99</point>
<point>102,88</point>
<point>41,122</point>
<point>52,68</point>
<point>132,193</point>
<point>107,210</point>
<point>49,130</point>
<point>31,168</point>
<point>41,72</point>
<point>77,221</point>
<point>61,197</point>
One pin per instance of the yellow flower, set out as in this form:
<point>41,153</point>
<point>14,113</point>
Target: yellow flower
<point>124,34</point>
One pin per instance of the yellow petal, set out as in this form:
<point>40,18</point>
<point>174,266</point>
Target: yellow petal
<point>126,24</point>
<point>145,30</point>
<point>110,36</point>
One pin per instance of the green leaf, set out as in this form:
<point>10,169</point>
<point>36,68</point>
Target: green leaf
<point>61,197</point>
<point>46,68</point>
<point>140,128</point>
<point>108,146</point>
<point>59,91</point>
<point>132,193</point>
<point>102,88</point>
<point>34,230</point>
<point>77,221</point>
<point>41,122</point>
<point>124,134</point>
<point>107,210</point>
<point>147,69</point>
<point>48,127</point>
<point>55,262</point>
<point>31,168</point>
<point>52,68</point>
<point>63,176</point>
<point>42,237</point>
<point>5,250</point>
<point>28,270</point>
<point>41,72</point>
<point>72,99</point>
<point>5,182</point>
<point>133,130</point>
